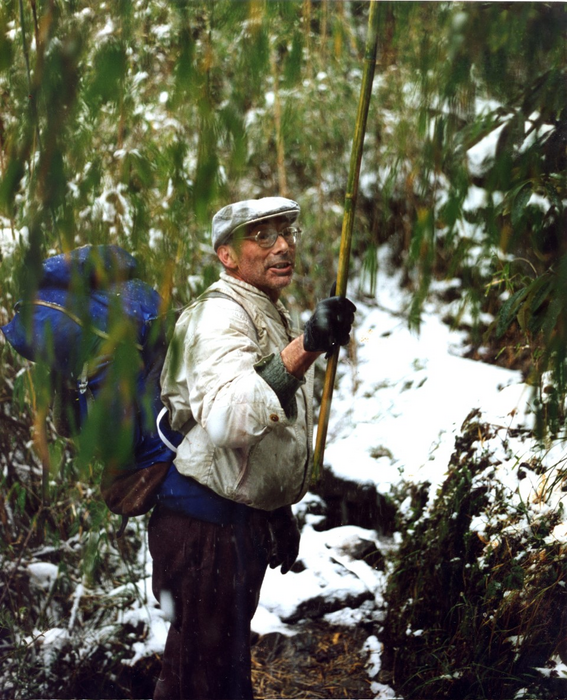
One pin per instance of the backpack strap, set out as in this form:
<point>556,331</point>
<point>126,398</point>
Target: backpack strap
<point>217,294</point>
<point>161,434</point>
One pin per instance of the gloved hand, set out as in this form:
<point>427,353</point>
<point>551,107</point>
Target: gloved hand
<point>285,539</point>
<point>330,324</point>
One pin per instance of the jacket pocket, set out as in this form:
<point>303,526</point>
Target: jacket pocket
<point>275,472</point>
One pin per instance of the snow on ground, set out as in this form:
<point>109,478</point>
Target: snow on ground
<point>396,414</point>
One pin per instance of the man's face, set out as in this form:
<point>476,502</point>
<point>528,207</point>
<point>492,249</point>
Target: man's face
<point>268,269</point>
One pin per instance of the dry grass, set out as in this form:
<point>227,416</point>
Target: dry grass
<point>324,661</point>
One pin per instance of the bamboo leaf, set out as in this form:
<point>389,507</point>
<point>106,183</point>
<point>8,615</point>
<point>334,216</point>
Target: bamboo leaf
<point>542,292</point>
<point>110,64</point>
<point>9,185</point>
<point>6,49</point>
<point>294,61</point>
<point>519,203</point>
<point>556,309</point>
<point>509,310</point>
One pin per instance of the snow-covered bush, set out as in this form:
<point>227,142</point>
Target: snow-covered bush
<point>476,596</point>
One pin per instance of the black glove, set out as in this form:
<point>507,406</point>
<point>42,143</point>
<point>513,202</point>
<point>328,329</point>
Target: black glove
<point>285,539</point>
<point>329,325</point>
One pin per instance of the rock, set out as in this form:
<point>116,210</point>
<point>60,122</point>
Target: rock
<point>317,607</point>
<point>352,503</point>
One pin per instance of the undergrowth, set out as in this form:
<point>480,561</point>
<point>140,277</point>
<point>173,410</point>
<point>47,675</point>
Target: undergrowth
<point>476,597</point>
<point>72,600</point>
<point>72,615</point>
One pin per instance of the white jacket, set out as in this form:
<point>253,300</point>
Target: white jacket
<point>238,440</point>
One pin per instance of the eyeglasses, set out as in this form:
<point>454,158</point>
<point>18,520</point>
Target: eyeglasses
<point>267,237</point>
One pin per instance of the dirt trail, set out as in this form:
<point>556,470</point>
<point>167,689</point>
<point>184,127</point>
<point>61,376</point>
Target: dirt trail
<point>323,661</point>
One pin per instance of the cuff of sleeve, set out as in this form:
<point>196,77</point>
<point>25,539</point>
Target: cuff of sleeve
<point>273,372</point>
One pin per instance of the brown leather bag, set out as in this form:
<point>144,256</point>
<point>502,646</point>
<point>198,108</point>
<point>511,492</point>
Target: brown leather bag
<point>131,492</point>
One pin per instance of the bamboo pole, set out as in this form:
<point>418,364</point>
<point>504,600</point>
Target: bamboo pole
<point>348,221</point>
<point>282,178</point>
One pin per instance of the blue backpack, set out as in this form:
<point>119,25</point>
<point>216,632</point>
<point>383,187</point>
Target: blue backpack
<point>93,321</point>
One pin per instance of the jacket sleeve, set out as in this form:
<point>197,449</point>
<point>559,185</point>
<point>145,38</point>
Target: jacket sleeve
<point>217,379</point>
<point>273,371</point>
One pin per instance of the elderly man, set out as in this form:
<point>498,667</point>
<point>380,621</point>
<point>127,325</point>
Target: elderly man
<point>237,385</point>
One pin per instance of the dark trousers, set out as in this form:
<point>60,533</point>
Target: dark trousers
<point>212,575</point>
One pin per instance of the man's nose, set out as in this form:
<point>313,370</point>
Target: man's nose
<point>281,245</point>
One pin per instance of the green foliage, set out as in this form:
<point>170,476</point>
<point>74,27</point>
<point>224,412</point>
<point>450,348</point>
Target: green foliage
<point>130,124</point>
<point>496,72</point>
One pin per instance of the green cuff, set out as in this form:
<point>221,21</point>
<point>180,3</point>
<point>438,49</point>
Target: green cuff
<point>285,385</point>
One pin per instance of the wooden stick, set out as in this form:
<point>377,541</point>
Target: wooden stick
<point>348,221</point>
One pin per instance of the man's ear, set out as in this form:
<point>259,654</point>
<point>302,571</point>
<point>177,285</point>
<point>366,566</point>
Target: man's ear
<point>227,256</point>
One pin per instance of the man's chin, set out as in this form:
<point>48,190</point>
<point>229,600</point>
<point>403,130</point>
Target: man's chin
<point>276,284</point>
<point>283,281</point>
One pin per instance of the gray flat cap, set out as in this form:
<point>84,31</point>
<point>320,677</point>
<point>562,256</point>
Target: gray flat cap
<point>250,211</point>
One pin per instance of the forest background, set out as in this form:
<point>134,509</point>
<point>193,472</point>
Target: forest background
<point>133,122</point>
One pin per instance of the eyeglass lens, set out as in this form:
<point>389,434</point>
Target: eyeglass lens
<point>267,237</point>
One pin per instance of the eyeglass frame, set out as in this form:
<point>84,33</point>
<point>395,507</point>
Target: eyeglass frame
<point>293,239</point>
